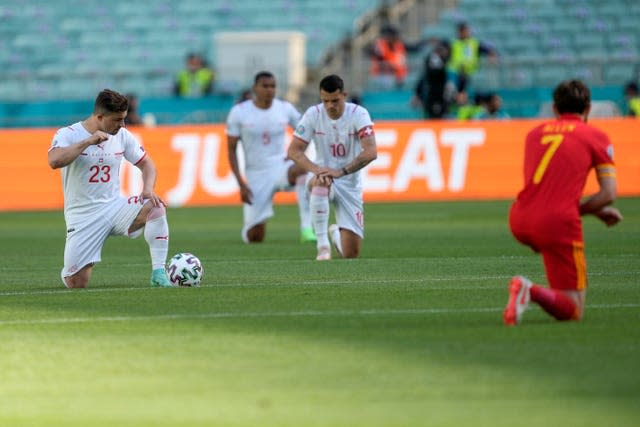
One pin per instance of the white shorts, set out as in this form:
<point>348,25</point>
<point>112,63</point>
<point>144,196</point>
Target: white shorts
<point>263,185</point>
<point>349,207</point>
<point>86,238</point>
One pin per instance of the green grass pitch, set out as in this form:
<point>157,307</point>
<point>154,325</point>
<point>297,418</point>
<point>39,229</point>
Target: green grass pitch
<point>410,334</point>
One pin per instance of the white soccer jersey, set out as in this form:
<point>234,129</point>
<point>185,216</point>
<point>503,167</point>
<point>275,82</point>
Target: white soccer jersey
<point>337,141</point>
<point>262,132</point>
<point>92,180</point>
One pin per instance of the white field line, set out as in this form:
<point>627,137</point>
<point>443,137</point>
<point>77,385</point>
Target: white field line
<point>499,281</point>
<point>274,314</point>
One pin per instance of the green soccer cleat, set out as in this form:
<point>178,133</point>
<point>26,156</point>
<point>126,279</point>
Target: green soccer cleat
<point>307,235</point>
<point>159,279</point>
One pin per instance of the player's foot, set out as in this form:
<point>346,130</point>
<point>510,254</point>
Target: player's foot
<point>519,296</point>
<point>324,254</point>
<point>334,236</point>
<point>307,235</point>
<point>159,279</point>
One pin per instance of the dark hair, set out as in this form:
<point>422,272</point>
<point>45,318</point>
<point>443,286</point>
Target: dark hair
<point>110,101</point>
<point>263,75</point>
<point>631,87</point>
<point>572,96</point>
<point>332,83</point>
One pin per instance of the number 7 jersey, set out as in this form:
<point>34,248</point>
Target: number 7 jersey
<point>559,156</point>
<point>92,180</point>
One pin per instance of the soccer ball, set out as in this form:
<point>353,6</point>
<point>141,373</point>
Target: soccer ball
<point>185,269</point>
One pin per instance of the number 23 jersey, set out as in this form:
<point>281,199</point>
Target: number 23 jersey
<point>92,180</point>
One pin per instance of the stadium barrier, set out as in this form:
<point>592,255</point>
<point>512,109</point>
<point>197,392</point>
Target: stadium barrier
<point>417,161</point>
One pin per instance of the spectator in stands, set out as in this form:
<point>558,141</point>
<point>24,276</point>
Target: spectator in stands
<point>464,110</point>
<point>434,91</point>
<point>492,109</point>
<point>465,55</point>
<point>632,95</point>
<point>389,56</point>
<point>245,95</point>
<point>133,116</point>
<point>196,80</point>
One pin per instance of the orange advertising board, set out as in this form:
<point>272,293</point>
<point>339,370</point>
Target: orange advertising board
<point>417,161</point>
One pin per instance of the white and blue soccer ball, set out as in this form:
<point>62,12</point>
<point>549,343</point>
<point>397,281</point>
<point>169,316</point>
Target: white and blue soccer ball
<point>185,269</point>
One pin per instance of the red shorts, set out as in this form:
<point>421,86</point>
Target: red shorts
<point>564,260</point>
<point>565,266</point>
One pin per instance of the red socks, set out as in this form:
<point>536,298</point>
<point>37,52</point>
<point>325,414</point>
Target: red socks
<point>555,303</point>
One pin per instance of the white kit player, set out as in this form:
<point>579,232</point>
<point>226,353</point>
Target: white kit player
<point>259,125</point>
<point>90,153</point>
<point>345,143</point>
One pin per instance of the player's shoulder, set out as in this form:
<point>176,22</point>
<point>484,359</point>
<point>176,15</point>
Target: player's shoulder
<point>593,130</point>
<point>314,111</point>
<point>357,112</point>
<point>72,129</point>
<point>241,107</point>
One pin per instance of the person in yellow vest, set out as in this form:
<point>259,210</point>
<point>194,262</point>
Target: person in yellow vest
<point>465,55</point>
<point>389,56</point>
<point>632,96</point>
<point>196,80</point>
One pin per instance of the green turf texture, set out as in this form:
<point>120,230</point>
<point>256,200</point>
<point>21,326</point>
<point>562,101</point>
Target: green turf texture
<point>410,334</point>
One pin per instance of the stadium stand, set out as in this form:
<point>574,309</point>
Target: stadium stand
<point>542,42</point>
<point>65,51</point>
<point>55,56</point>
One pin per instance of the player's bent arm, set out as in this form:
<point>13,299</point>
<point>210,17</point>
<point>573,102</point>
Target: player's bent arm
<point>149,175</point>
<point>296,152</point>
<point>59,157</point>
<point>604,197</point>
<point>368,154</point>
<point>232,155</point>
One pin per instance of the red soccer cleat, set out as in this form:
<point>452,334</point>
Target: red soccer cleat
<point>519,287</point>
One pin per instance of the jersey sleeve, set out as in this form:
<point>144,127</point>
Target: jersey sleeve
<point>603,152</point>
<point>133,151</point>
<point>61,139</point>
<point>305,128</point>
<point>362,119</point>
<point>233,122</point>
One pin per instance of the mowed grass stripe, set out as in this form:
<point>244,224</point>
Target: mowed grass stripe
<point>267,314</point>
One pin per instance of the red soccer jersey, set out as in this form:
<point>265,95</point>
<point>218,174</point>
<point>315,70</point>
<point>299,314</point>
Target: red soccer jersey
<point>558,158</point>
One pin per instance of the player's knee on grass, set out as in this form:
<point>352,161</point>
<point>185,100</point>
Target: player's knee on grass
<point>256,233</point>
<point>80,279</point>
<point>350,244</point>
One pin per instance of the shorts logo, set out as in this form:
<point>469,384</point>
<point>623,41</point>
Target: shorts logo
<point>135,200</point>
<point>71,230</point>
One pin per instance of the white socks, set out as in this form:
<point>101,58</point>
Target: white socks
<point>303,201</point>
<point>319,209</point>
<point>156,233</point>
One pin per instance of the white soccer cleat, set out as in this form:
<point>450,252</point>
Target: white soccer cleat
<point>324,254</point>
<point>334,236</point>
<point>519,295</point>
